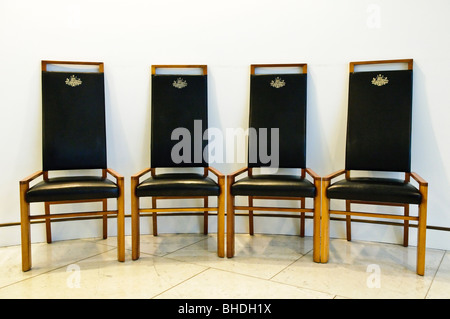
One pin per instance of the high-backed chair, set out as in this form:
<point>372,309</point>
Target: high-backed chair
<point>278,103</point>
<point>73,139</point>
<point>378,140</point>
<point>179,118</point>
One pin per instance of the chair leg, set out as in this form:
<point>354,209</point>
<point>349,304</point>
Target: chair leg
<point>348,221</point>
<point>25,229</point>
<point>251,229</point>
<point>406,227</point>
<point>135,232</point>
<point>316,222</point>
<point>422,229</point>
<point>205,216</point>
<point>302,218</point>
<point>221,219</point>
<point>154,218</point>
<point>325,224</point>
<point>48,227</point>
<point>105,218</point>
<point>121,222</point>
<point>230,219</point>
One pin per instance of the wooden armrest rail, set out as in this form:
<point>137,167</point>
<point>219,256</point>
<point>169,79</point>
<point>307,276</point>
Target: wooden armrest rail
<point>33,176</point>
<point>239,171</point>
<point>114,173</point>
<point>313,174</point>
<point>419,179</point>
<point>333,175</point>
<point>141,173</point>
<point>215,172</point>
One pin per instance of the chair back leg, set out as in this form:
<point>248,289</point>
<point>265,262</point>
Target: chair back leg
<point>302,218</point>
<point>105,218</point>
<point>251,228</point>
<point>48,227</point>
<point>406,227</point>
<point>348,221</point>
<point>205,216</point>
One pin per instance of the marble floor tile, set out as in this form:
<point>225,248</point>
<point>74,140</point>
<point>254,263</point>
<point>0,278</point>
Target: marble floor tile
<point>102,276</point>
<point>440,288</point>
<point>365,270</point>
<point>45,257</point>
<point>261,256</point>
<point>186,266</point>
<point>218,284</point>
<point>160,245</point>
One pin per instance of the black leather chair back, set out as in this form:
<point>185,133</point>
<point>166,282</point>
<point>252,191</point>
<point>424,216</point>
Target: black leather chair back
<point>73,121</point>
<point>278,101</point>
<point>178,102</point>
<point>379,121</point>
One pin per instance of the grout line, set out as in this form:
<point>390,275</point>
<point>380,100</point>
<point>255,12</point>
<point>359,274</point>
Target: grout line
<point>181,282</point>
<point>434,276</point>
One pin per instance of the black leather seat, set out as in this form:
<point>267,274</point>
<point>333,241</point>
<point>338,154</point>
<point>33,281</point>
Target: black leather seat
<point>179,105</point>
<point>378,140</point>
<point>387,190</point>
<point>73,139</point>
<point>277,102</point>
<point>274,185</point>
<point>72,188</point>
<point>178,184</point>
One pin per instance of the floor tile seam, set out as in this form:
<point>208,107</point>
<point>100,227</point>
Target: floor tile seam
<point>272,279</point>
<point>434,276</point>
<point>180,283</point>
<point>294,261</point>
<point>252,277</point>
<point>184,247</point>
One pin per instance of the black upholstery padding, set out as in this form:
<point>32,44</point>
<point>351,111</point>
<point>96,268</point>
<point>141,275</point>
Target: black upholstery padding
<point>178,184</point>
<point>375,189</point>
<point>73,121</point>
<point>283,108</point>
<point>273,185</point>
<point>174,108</point>
<point>72,188</point>
<point>379,122</point>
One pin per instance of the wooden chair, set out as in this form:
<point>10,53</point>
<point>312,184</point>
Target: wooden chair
<point>73,138</point>
<point>277,101</point>
<point>378,140</point>
<point>179,105</point>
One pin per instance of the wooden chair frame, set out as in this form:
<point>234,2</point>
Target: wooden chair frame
<point>231,207</point>
<point>154,212</point>
<point>26,218</point>
<point>422,207</point>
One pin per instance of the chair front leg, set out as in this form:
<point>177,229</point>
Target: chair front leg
<point>325,223</point>
<point>221,218</point>
<point>422,230</point>
<point>316,221</point>
<point>121,221</point>
<point>25,228</point>
<point>230,218</point>
<point>135,231</point>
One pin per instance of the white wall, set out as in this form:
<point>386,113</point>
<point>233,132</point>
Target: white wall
<point>130,36</point>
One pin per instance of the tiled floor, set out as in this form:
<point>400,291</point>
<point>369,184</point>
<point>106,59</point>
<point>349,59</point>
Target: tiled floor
<point>185,266</point>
